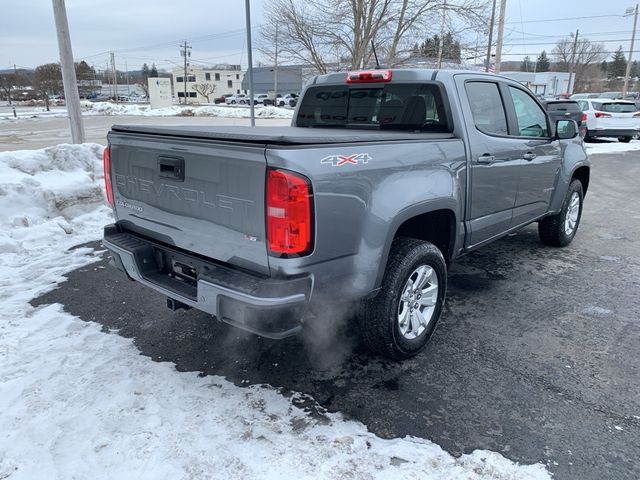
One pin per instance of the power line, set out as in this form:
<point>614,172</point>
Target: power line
<point>526,44</point>
<point>562,19</point>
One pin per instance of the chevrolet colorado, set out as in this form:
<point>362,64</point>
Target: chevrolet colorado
<point>383,178</point>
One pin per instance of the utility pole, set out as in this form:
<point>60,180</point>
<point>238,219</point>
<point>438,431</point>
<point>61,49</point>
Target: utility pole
<point>574,60</point>
<point>126,69</point>
<point>275,72</point>
<point>491,22</point>
<point>441,43</point>
<point>503,7</point>
<point>627,74</point>
<point>115,77</point>
<point>72,98</point>
<point>252,109</point>
<point>185,51</point>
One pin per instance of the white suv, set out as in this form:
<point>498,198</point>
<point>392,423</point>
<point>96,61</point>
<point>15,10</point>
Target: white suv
<point>238,98</point>
<point>605,117</point>
<point>259,98</point>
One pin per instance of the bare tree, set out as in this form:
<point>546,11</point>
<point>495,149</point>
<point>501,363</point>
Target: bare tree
<point>342,31</point>
<point>204,89</point>
<point>7,83</point>
<point>586,53</point>
<point>47,81</point>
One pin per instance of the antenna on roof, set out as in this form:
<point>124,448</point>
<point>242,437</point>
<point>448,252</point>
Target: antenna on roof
<point>373,47</point>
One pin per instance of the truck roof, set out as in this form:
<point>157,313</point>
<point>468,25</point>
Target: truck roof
<point>403,75</point>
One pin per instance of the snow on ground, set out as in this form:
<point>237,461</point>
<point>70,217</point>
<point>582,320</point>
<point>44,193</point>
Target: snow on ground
<point>611,145</point>
<point>108,108</point>
<point>78,402</point>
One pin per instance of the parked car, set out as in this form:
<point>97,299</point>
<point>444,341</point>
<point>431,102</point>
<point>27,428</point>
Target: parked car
<point>611,95</point>
<point>259,98</point>
<point>222,98</point>
<point>604,117</point>
<point>559,109</point>
<point>360,200</point>
<point>272,101</point>
<point>289,100</point>
<point>237,98</point>
<point>581,96</point>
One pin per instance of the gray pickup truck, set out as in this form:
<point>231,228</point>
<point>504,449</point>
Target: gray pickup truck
<point>383,178</point>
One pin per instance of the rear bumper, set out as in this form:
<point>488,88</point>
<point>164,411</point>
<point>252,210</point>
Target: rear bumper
<point>268,307</point>
<point>611,132</point>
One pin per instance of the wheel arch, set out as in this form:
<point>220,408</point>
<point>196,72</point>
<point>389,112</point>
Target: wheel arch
<point>583,174</point>
<point>435,223</point>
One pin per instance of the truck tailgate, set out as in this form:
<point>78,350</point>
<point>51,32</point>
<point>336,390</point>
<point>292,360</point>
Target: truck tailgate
<point>203,196</point>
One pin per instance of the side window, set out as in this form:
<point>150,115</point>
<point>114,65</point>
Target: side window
<point>532,121</point>
<point>486,107</point>
<point>583,105</point>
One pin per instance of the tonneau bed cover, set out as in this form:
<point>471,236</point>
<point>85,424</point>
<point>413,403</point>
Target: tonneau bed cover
<point>279,135</point>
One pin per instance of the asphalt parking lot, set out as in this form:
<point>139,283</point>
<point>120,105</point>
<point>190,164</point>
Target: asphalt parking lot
<point>537,355</point>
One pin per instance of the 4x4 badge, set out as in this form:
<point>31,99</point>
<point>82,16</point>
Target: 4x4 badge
<point>339,160</point>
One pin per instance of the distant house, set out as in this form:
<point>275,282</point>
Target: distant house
<point>548,84</point>
<point>226,78</point>
<point>290,79</point>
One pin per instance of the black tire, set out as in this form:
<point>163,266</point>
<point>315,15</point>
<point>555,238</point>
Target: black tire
<point>552,229</point>
<point>587,137</point>
<point>624,139</point>
<point>378,317</point>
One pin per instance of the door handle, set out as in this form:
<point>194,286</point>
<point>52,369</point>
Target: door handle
<point>529,156</point>
<point>486,159</point>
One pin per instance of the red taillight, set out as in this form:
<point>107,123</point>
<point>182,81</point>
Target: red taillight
<point>369,76</point>
<point>602,115</point>
<point>289,217</point>
<point>106,163</point>
<point>584,117</point>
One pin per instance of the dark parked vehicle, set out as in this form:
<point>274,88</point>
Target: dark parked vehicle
<point>222,98</point>
<point>563,109</point>
<point>382,180</point>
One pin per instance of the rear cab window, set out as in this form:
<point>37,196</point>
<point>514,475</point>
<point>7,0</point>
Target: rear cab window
<point>400,106</point>
<point>487,108</point>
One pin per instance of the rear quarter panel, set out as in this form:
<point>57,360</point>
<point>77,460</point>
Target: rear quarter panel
<point>359,206</point>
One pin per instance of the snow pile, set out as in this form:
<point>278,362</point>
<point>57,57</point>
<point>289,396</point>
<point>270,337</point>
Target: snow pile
<point>77,402</point>
<point>108,108</point>
<point>50,199</point>
<point>612,146</point>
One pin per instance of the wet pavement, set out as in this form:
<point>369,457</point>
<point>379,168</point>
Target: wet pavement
<point>537,354</point>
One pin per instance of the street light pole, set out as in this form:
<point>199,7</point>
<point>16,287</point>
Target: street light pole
<point>503,6</point>
<point>574,60</point>
<point>247,8</point>
<point>633,39</point>
<point>491,22</point>
<point>69,81</point>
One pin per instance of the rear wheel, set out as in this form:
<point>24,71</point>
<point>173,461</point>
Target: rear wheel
<point>624,139</point>
<point>559,230</point>
<point>587,137</point>
<point>399,321</point>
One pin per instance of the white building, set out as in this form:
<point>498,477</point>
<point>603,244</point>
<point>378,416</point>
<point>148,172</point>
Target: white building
<point>548,84</point>
<point>227,79</point>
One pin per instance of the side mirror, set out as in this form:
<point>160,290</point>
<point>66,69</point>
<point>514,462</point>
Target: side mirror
<point>566,129</point>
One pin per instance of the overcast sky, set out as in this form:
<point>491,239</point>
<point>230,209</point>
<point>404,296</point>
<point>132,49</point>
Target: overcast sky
<point>145,31</point>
